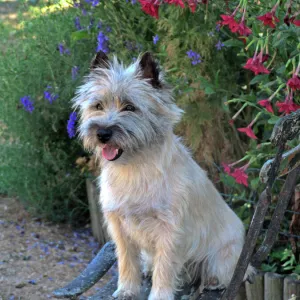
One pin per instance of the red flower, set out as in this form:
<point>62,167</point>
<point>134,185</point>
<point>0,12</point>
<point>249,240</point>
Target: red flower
<point>240,176</point>
<point>286,107</point>
<point>192,5</point>
<point>269,19</point>
<point>231,122</point>
<point>296,22</point>
<point>248,130</point>
<point>294,83</point>
<point>243,29</point>
<point>150,7</point>
<point>176,2</point>
<point>255,64</point>
<point>226,168</point>
<point>267,104</point>
<point>230,22</point>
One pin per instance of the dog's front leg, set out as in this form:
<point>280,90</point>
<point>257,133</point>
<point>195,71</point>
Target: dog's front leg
<point>166,267</point>
<point>129,283</point>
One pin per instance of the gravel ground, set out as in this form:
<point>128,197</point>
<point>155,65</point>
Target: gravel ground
<point>38,257</point>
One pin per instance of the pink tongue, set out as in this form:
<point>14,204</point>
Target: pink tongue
<point>109,152</point>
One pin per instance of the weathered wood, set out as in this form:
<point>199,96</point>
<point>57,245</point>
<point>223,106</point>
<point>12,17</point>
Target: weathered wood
<point>255,291</point>
<point>242,293</point>
<point>286,128</point>
<point>281,133</point>
<point>92,274</point>
<point>274,226</point>
<point>273,286</point>
<point>98,230</point>
<point>291,289</point>
<point>287,158</point>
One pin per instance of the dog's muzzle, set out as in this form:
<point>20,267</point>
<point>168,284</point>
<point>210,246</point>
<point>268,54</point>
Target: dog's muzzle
<point>109,152</point>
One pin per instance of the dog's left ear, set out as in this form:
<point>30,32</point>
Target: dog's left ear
<point>150,69</point>
<point>100,60</point>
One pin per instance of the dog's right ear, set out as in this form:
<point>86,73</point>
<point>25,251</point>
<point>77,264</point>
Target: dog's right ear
<point>100,61</point>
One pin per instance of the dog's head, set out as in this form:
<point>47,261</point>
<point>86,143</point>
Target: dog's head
<point>124,109</point>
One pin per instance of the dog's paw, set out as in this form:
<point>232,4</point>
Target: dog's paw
<point>125,294</point>
<point>161,294</point>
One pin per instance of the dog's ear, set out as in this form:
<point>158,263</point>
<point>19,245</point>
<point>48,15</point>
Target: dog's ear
<point>100,60</point>
<point>150,69</point>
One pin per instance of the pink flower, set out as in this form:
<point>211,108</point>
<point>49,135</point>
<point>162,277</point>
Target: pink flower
<point>230,22</point>
<point>248,130</point>
<point>267,104</point>
<point>296,22</point>
<point>192,5</point>
<point>269,19</point>
<point>287,108</point>
<point>255,64</point>
<point>240,176</point>
<point>294,83</point>
<point>150,7</point>
<point>227,168</point>
<point>288,105</point>
<point>176,2</point>
<point>243,29</point>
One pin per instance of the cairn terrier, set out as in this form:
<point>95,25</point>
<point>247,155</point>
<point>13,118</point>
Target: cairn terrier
<point>163,213</point>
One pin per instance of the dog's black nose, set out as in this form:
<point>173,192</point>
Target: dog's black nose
<point>104,134</point>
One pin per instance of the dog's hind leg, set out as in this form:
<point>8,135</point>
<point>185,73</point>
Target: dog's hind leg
<point>221,266</point>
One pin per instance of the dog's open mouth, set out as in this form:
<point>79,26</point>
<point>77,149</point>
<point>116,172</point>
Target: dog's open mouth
<point>111,153</point>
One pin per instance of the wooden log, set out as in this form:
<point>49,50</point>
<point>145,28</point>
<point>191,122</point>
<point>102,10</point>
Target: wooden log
<point>291,289</point>
<point>273,286</point>
<point>255,290</point>
<point>98,230</point>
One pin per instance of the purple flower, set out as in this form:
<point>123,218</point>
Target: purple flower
<point>75,70</point>
<point>62,50</point>
<point>84,12</point>
<point>77,23</point>
<point>210,33</point>
<point>219,45</point>
<point>102,40</point>
<point>155,39</point>
<point>49,95</point>
<point>132,1</point>
<point>194,56</point>
<point>218,27</point>
<point>32,281</point>
<point>27,103</point>
<point>99,25</point>
<point>76,4</point>
<point>71,124</point>
<point>95,2</point>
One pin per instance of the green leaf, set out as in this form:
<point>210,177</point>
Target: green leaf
<point>233,43</point>
<point>259,78</point>
<point>273,120</point>
<point>79,35</point>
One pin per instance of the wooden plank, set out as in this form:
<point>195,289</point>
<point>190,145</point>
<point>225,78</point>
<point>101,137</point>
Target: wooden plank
<point>242,293</point>
<point>98,230</point>
<point>291,290</point>
<point>273,286</point>
<point>255,290</point>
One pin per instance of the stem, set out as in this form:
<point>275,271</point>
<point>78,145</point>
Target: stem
<point>276,92</point>
<point>237,162</point>
<point>239,111</point>
<point>255,119</point>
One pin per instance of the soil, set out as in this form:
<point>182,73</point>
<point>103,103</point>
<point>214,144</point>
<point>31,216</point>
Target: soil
<point>37,257</point>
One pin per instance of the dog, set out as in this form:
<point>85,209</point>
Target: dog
<point>163,213</point>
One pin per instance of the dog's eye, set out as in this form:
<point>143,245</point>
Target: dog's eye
<point>99,106</point>
<point>129,107</point>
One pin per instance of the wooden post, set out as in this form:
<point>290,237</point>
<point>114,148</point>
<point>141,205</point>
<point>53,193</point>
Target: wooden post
<point>98,230</point>
<point>242,293</point>
<point>291,290</point>
<point>255,291</point>
<point>273,286</point>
